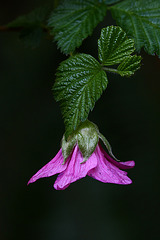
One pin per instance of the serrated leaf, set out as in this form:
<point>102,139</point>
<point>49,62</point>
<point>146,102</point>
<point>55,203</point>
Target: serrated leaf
<point>129,65</point>
<point>141,20</point>
<point>31,26</point>
<point>114,46</point>
<point>74,20</point>
<point>109,2</point>
<point>32,19</point>
<point>79,84</point>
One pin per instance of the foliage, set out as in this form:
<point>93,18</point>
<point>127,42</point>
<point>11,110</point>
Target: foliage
<point>74,20</point>
<point>129,65</point>
<point>79,84</point>
<point>31,26</point>
<point>114,46</point>
<point>141,20</point>
<point>109,2</point>
<point>81,79</point>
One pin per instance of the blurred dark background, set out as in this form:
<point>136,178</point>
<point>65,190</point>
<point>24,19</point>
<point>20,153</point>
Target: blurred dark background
<point>128,114</point>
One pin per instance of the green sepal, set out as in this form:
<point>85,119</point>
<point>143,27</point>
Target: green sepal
<point>86,136</point>
<point>87,139</point>
<point>67,146</point>
<point>107,145</point>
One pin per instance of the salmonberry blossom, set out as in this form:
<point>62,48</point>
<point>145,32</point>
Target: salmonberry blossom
<point>83,155</point>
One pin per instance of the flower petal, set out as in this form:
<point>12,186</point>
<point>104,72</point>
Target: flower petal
<point>122,165</point>
<point>75,169</point>
<point>53,167</point>
<point>107,172</point>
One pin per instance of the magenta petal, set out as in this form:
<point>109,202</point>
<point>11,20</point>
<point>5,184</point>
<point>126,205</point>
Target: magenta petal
<point>122,165</point>
<point>53,167</point>
<point>75,169</point>
<point>107,172</point>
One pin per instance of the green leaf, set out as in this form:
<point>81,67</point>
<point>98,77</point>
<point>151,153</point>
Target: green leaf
<point>79,84</point>
<point>129,65</point>
<point>31,25</point>
<point>114,46</point>
<point>141,20</point>
<point>35,18</point>
<point>109,2</point>
<point>31,37</point>
<point>74,20</point>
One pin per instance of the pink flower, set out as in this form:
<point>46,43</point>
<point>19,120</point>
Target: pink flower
<point>99,166</point>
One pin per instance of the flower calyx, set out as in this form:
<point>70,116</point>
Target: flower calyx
<point>86,136</point>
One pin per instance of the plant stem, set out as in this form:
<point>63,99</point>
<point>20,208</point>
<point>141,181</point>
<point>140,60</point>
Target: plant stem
<point>110,70</point>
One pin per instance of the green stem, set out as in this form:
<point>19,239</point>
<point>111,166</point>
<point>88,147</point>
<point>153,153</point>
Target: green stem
<point>112,70</point>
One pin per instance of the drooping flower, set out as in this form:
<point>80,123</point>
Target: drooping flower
<point>83,155</point>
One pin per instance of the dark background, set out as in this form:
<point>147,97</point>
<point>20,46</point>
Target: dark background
<point>128,114</point>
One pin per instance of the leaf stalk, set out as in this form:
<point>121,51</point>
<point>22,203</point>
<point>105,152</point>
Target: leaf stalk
<point>112,70</point>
